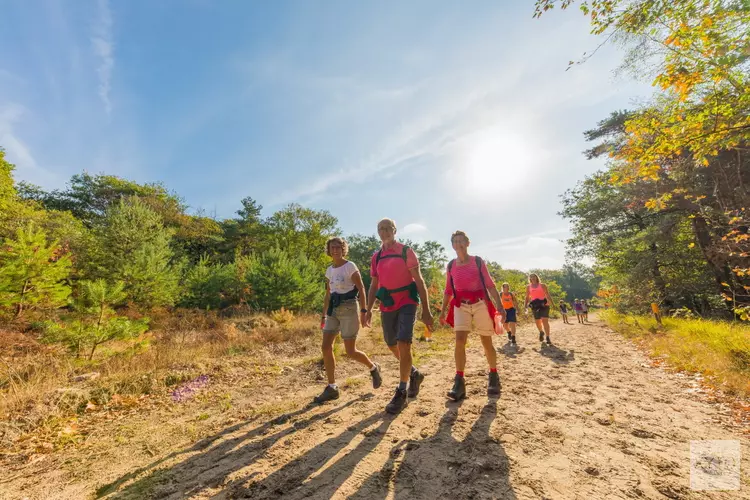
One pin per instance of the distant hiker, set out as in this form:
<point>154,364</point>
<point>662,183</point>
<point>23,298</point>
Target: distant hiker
<point>344,290</point>
<point>584,310</point>
<point>538,297</point>
<point>579,310</point>
<point>564,312</point>
<point>397,282</point>
<point>510,305</point>
<point>468,286</point>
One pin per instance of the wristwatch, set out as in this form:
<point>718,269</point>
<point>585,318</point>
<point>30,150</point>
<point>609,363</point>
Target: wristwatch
<point>363,311</point>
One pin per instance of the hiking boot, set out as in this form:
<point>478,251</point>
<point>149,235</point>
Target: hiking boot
<point>459,389</point>
<point>549,342</point>
<point>377,380</point>
<point>493,386</point>
<point>328,394</point>
<point>415,380</point>
<point>541,336</point>
<point>509,336</point>
<point>397,403</point>
<point>513,340</point>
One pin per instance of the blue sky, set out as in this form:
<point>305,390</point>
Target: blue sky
<point>442,115</point>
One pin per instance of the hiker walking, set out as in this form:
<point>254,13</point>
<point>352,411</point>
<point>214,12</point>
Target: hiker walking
<point>579,310</point>
<point>564,312</point>
<point>584,310</point>
<point>538,297</point>
<point>468,286</point>
<point>344,312</point>
<point>510,305</point>
<point>397,282</point>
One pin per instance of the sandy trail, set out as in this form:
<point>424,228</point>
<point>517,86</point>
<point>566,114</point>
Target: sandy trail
<point>587,418</point>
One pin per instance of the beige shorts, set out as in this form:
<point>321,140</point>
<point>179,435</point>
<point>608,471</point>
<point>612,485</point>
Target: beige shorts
<point>462,317</point>
<point>345,319</point>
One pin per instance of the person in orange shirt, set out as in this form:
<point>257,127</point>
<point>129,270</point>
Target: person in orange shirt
<point>510,305</point>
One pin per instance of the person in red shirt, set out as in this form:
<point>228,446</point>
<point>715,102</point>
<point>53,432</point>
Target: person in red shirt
<point>397,282</point>
<point>469,286</point>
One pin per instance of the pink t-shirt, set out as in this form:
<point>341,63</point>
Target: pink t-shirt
<point>394,273</point>
<point>466,277</point>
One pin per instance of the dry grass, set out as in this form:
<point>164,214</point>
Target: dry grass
<point>717,349</point>
<point>38,385</point>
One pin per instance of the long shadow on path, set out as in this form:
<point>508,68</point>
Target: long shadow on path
<point>441,466</point>
<point>211,466</point>
<point>298,479</point>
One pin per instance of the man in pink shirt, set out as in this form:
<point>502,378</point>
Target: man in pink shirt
<point>397,282</point>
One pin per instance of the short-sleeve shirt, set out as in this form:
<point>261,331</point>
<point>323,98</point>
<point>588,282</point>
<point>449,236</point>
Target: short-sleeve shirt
<point>394,273</point>
<point>466,277</point>
<point>340,278</point>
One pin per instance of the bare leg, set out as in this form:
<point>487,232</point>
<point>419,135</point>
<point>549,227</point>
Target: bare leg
<point>404,357</point>
<point>460,351</point>
<point>395,351</point>
<point>328,359</point>
<point>545,323</point>
<point>356,354</point>
<point>489,350</point>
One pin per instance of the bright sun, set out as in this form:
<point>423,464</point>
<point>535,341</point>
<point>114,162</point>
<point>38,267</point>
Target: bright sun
<point>495,161</point>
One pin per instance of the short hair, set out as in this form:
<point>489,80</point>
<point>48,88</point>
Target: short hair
<point>505,284</point>
<point>391,222</point>
<point>459,233</point>
<point>340,241</point>
<point>534,275</point>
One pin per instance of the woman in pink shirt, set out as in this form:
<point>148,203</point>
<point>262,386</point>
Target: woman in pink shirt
<point>468,287</point>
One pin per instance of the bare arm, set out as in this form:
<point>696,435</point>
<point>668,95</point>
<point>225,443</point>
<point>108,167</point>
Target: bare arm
<point>515,302</point>
<point>549,297</point>
<point>526,304</point>
<point>496,296</point>
<point>327,299</point>
<point>371,295</point>
<point>362,298</point>
<point>423,296</point>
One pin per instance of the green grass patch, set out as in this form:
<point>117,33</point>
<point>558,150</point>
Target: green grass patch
<point>719,350</point>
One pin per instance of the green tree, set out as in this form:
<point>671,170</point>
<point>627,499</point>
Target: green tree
<point>245,234</point>
<point>214,286</point>
<point>361,249</point>
<point>133,246</point>
<point>280,279</point>
<point>94,321</point>
<point>33,273</point>
<point>300,230</point>
<point>7,189</point>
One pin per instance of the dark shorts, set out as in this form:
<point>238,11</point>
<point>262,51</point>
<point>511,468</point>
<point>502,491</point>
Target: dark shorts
<point>510,315</point>
<point>541,312</point>
<point>398,325</point>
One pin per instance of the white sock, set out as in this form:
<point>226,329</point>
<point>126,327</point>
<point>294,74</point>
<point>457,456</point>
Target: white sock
<point>374,367</point>
<point>333,386</point>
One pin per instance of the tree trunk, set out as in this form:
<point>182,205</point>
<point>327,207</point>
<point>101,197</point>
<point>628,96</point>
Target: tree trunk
<point>719,268</point>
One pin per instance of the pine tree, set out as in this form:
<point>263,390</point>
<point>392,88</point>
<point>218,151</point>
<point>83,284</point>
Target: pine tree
<point>33,273</point>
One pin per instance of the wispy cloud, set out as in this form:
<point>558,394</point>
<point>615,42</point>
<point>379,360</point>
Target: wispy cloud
<point>413,229</point>
<point>103,46</point>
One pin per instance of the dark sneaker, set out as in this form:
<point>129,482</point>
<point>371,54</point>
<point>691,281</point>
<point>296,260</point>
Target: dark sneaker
<point>377,380</point>
<point>513,340</point>
<point>509,336</point>
<point>397,403</point>
<point>459,389</point>
<point>328,394</point>
<point>541,336</point>
<point>415,380</point>
<point>549,342</point>
<point>493,386</point>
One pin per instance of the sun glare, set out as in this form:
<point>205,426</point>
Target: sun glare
<point>495,160</point>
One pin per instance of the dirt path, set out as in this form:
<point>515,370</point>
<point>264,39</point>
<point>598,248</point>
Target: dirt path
<point>590,418</point>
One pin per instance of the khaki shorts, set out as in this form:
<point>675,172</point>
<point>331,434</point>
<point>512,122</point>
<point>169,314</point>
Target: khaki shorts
<point>345,319</point>
<point>463,315</point>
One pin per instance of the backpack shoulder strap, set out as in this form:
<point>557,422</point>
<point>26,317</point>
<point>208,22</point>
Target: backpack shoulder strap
<point>377,257</point>
<point>403,252</point>
<point>450,276</point>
